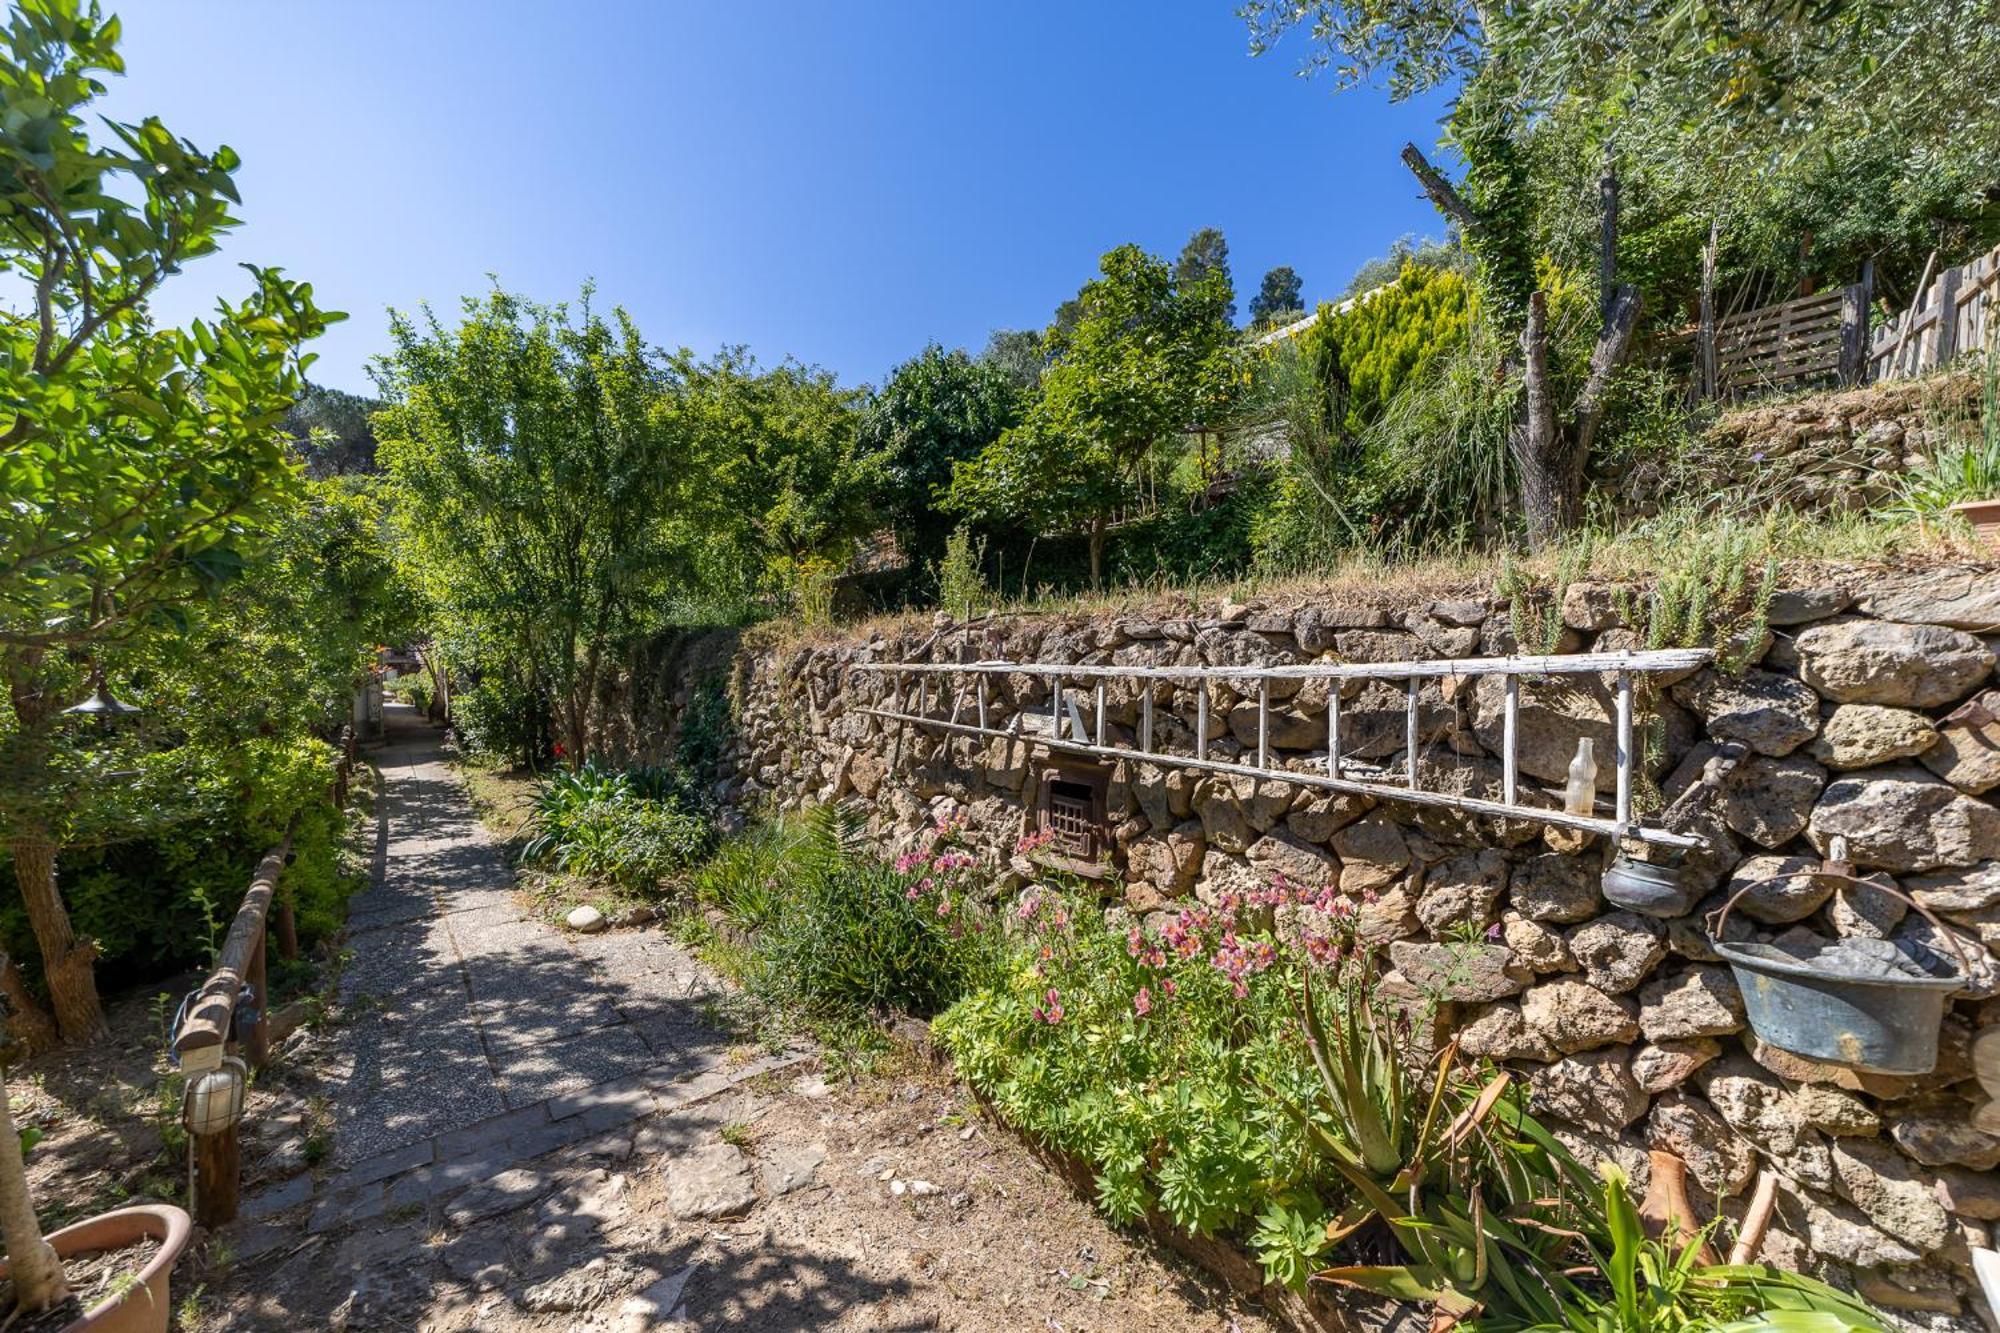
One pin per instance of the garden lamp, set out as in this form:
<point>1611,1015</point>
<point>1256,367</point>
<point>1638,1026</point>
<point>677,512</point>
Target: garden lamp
<point>214,1100</point>
<point>102,703</point>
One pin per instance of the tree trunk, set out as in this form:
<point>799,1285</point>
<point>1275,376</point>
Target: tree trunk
<point>31,1261</point>
<point>1097,552</point>
<point>30,1023</point>
<point>1549,492</point>
<point>66,961</point>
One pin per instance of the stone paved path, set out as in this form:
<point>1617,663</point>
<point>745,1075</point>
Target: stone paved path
<point>474,1037</point>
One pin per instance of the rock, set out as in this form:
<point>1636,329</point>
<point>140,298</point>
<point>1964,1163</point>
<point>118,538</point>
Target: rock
<point>1865,910</point>
<point>1576,1017</point>
<point>1466,613</point>
<point>1556,888</point>
<point>1905,819</point>
<point>1661,1066</point>
<point>1783,894</point>
<point>1771,714</point>
<point>1391,915</point>
<point>1720,1162</point>
<point>1937,1140</point>
<point>1499,1032</point>
<point>1373,854</point>
<point>1618,950</point>
<point>1834,1112</point>
<point>1976,889</point>
<point>1797,606</point>
<point>1967,751</point>
<point>1460,973</point>
<point>1973,1194</point>
<point>1701,1002</point>
<point>1889,1190</point>
<point>1462,891</point>
<point>1845,1235</point>
<point>1281,855</point>
<point>1171,864</point>
<point>586,920</point>
<point>1540,946</point>
<point>1324,814</point>
<point>1862,735</point>
<point>653,1308</point>
<point>580,1289</point>
<point>713,1181</point>
<point>787,1167</point>
<point>1224,825</point>
<point>1957,598</point>
<point>1907,1291</point>
<point>1770,800</point>
<point>1592,1089</point>
<point>1594,606</point>
<point>1877,662</point>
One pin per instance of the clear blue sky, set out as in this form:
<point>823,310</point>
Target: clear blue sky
<point>837,182</point>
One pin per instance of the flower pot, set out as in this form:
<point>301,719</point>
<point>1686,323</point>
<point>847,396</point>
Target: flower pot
<point>144,1306</point>
<point>1984,516</point>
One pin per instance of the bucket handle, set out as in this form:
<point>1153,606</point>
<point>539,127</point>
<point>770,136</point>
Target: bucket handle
<point>1716,920</point>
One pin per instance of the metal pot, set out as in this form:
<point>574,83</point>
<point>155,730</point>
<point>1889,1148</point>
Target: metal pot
<point>1879,1024</point>
<point>1646,888</point>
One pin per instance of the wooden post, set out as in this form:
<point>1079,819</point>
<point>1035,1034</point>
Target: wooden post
<point>1854,345</point>
<point>1946,341</point>
<point>215,1176</point>
<point>288,931</point>
<point>1705,336</point>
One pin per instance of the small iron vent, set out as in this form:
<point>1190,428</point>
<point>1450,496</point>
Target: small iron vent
<point>1072,810</point>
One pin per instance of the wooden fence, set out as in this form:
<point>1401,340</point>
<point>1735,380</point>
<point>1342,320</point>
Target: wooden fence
<point>1953,314</point>
<point>231,1013</point>
<point>1817,339</point>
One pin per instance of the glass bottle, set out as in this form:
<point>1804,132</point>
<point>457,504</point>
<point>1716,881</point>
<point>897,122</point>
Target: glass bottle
<point>1581,793</point>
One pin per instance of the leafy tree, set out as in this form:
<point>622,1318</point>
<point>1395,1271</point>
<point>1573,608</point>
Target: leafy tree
<point>1376,347</point>
<point>1147,360</point>
<point>1385,269</point>
<point>938,409</point>
<point>1018,354</point>
<point>1206,253</point>
<point>1278,296</point>
<point>540,489</point>
<point>330,429</point>
<point>138,463</point>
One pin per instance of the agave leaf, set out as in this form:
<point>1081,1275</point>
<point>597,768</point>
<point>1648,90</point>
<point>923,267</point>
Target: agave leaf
<point>1403,1282</point>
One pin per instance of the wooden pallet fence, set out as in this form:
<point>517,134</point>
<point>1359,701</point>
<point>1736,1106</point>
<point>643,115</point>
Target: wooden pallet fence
<point>1817,339</point>
<point>1953,314</point>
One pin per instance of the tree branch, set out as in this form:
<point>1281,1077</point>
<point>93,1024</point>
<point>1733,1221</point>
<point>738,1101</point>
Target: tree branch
<point>1614,343</point>
<point>1447,199</point>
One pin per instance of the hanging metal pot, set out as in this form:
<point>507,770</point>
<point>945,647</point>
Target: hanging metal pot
<point>1646,888</point>
<point>1877,1021</point>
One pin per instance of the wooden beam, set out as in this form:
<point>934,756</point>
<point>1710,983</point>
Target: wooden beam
<point>206,1029</point>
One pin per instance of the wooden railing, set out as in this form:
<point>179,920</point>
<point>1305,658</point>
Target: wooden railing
<point>1952,315</point>
<point>1817,339</point>
<point>230,1015</point>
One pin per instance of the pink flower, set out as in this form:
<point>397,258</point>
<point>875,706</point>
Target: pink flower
<point>1053,1013</point>
<point>1142,1003</point>
<point>913,893</point>
<point>944,907</point>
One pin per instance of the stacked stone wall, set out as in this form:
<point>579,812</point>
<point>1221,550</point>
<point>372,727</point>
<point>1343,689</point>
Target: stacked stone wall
<point>1871,713</point>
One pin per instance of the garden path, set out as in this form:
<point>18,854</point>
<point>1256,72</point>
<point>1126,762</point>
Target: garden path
<point>534,1130</point>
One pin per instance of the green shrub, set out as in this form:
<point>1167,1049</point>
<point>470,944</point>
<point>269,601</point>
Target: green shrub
<point>503,720</point>
<point>630,829</point>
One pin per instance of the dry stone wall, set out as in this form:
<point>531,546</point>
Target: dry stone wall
<point>1873,715</point>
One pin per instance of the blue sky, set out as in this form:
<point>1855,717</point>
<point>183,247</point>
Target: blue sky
<point>837,182</point>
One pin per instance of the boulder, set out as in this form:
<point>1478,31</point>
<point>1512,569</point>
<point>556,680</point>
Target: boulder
<point>1863,735</point>
<point>1591,1089</point>
<point>1832,1111</point>
<point>1324,814</point>
<point>1771,714</point>
<point>1786,890</point>
<point>710,1182</point>
<point>1769,800</point>
<point>1499,1032</point>
<point>1685,1126</point>
<point>1170,863</point>
<point>1459,973</point>
<point>1540,946</point>
<point>1388,915</point>
<point>1967,750</point>
<point>1595,606</point>
<point>1943,1140</point>
<point>1660,1066</point>
<point>1957,598</point>
<point>1879,662</point>
<point>1974,1194</point>
<point>1866,909</point>
<point>1556,888</point>
<point>586,920</point>
<point>1618,950</point>
<point>1974,889</point>
<point>1757,1106</point>
<point>1701,1002</point>
<point>1842,1234</point>
<point>1891,1191</point>
<point>1576,1017</point>
<point>1300,863</point>
<point>1798,606</point>
<point>1905,819</point>
<point>1373,854</point>
<point>1462,891</point>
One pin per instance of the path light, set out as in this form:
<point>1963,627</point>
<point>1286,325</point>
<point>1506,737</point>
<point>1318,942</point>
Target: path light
<point>214,1099</point>
<point>102,703</point>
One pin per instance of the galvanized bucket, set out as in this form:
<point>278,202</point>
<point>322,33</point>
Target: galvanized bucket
<point>1880,1024</point>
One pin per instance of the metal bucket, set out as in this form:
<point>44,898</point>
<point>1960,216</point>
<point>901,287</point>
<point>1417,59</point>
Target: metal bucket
<point>1883,1025</point>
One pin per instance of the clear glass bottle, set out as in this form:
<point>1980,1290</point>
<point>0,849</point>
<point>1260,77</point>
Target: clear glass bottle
<point>1581,792</point>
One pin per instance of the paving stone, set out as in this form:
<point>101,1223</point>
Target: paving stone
<point>383,1165</point>
<point>276,1199</point>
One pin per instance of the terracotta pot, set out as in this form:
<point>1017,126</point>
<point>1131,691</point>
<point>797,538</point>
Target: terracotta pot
<point>1984,516</point>
<point>143,1307</point>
